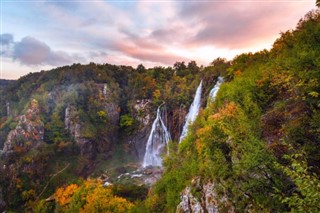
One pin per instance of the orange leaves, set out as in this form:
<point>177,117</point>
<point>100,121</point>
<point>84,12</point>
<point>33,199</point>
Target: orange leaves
<point>261,82</point>
<point>93,196</point>
<point>202,131</point>
<point>229,110</point>
<point>63,196</point>
<point>199,146</point>
<point>237,73</point>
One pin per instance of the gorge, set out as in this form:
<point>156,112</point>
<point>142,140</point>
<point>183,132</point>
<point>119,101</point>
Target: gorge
<point>238,135</point>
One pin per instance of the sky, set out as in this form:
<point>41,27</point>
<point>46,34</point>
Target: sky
<point>40,35</point>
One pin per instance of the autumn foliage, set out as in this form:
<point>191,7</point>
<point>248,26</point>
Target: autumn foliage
<point>89,196</point>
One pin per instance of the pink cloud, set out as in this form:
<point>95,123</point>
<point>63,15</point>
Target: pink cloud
<point>144,51</point>
<point>241,24</point>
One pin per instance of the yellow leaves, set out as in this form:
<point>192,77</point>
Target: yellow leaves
<point>94,197</point>
<point>63,196</point>
<point>314,94</point>
<point>34,104</point>
<point>199,146</point>
<point>202,131</point>
<point>28,195</point>
<point>102,114</point>
<point>156,94</point>
<point>102,200</point>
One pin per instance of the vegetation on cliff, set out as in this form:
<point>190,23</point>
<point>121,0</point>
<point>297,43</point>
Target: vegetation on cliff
<point>257,143</point>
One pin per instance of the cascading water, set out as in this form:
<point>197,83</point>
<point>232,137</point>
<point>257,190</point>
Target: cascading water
<point>104,91</point>
<point>157,141</point>
<point>215,89</point>
<point>193,112</point>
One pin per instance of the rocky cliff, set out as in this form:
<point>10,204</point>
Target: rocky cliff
<point>107,113</point>
<point>202,197</point>
<point>141,111</point>
<point>28,133</point>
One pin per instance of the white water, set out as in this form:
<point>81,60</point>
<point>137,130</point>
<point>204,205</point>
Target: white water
<point>215,89</point>
<point>193,112</point>
<point>104,91</point>
<point>157,141</point>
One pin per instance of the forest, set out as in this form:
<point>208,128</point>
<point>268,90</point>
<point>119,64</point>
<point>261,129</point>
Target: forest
<point>64,133</point>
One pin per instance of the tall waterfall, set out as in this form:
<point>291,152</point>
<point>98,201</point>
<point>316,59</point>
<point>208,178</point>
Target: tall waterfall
<point>193,112</point>
<point>215,89</point>
<point>157,141</point>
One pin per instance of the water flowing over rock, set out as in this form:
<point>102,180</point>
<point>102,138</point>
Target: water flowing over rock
<point>8,108</point>
<point>105,87</point>
<point>141,110</point>
<point>215,89</point>
<point>157,142</point>
<point>193,112</point>
<point>28,133</point>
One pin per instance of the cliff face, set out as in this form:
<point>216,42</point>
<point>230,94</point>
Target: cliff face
<point>108,117</point>
<point>28,133</point>
<point>73,124</point>
<point>202,197</point>
<point>142,113</point>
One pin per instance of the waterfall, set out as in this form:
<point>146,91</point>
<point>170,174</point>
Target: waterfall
<point>8,108</point>
<point>104,91</point>
<point>215,89</point>
<point>193,112</point>
<point>157,141</point>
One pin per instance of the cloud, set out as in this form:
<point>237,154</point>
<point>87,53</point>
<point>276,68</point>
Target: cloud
<point>228,25</point>
<point>148,32</point>
<point>6,39</point>
<point>31,51</point>
<point>239,24</point>
<point>146,48</point>
<point>157,55</point>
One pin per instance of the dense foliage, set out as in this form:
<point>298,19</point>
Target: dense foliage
<point>258,142</point>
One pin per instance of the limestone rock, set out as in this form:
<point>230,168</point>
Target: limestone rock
<point>206,201</point>
<point>142,112</point>
<point>189,203</point>
<point>88,145</point>
<point>28,133</point>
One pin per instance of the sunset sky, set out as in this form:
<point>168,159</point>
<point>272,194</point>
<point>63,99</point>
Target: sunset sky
<point>41,35</point>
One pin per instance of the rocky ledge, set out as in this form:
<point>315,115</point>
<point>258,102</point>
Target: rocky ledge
<point>27,134</point>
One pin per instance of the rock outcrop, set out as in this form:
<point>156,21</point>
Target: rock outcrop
<point>28,133</point>
<point>109,112</point>
<point>74,126</point>
<point>205,200</point>
<point>141,111</point>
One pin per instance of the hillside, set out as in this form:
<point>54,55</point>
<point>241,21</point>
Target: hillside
<point>67,132</point>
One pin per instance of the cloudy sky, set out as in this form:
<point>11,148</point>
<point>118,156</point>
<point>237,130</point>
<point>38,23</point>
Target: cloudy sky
<point>43,34</point>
